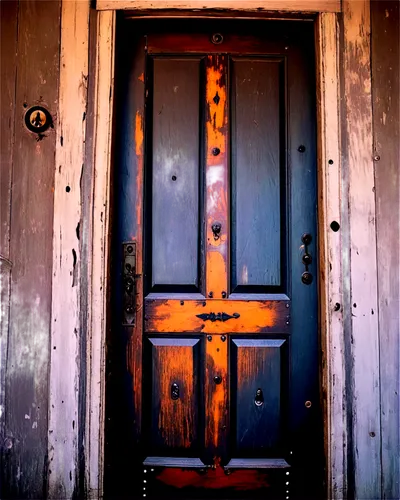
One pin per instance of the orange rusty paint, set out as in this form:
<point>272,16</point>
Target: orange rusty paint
<point>134,349</point>
<point>255,316</point>
<point>216,395</point>
<point>239,480</point>
<point>217,250</point>
<point>141,78</point>
<point>175,364</point>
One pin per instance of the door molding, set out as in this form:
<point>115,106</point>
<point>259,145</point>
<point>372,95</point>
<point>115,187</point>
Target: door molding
<point>78,376</point>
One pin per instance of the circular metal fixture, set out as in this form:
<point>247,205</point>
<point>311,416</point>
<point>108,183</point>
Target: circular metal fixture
<point>38,119</point>
<point>307,278</point>
<point>217,38</point>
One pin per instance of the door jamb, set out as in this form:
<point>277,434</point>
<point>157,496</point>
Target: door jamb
<point>65,371</point>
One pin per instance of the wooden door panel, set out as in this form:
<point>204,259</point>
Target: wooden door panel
<point>259,395</point>
<point>175,172</point>
<point>175,365</point>
<point>257,171</point>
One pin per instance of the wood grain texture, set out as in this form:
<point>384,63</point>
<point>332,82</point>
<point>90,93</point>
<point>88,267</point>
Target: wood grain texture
<point>267,5</point>
<point>175,420</point>
<point>216,400</point>
<point>8,68</point>
<point>98,288</point>
<point>65,340</point>
<point>24,461</point>
<point>385,93</point>
<point>331,300</point>
<point>258,365</point>
<point>172,315</point>
<point>175,171</point>
<point>256,171</point>
<point>216,157</point>
<point>358,159</point>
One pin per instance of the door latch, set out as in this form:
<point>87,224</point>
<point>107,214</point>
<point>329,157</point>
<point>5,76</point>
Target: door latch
<point>129,283</point>
<point>306,277</point>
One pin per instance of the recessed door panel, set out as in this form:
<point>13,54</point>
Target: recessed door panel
<point>257,171</point>
<point>175,171</point>
<point>258,368</point>
<point>175,390</point>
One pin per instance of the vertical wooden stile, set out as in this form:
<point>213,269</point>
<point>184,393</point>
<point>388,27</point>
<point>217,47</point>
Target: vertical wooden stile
<point>358,161</point>
<point>65,332</point>
<point>331,300</point>
<point>217,197</point>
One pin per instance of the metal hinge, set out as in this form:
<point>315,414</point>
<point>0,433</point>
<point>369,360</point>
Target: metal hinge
<point>129,283</point>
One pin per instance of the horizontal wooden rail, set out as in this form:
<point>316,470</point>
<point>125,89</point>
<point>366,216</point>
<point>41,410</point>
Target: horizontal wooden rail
<point>239,5</point>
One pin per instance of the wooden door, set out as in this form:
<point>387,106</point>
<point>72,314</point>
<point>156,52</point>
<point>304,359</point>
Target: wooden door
<point>215,264</point>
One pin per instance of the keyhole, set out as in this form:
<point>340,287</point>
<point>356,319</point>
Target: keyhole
<point>37,120</point>
<point>259,398</point>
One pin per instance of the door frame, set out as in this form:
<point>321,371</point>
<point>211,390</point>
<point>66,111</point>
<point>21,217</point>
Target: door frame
<point>81,237</point>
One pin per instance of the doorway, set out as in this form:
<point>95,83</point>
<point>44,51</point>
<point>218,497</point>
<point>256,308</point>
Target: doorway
<point>213,386</point>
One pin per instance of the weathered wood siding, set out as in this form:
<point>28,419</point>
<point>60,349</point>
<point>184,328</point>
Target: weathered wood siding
<point>30,73</point>
<point>30,69</point>
<point>386,111</point>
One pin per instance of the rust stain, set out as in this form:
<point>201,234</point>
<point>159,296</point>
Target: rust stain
<point>176,417</point>
<point>141,78</point>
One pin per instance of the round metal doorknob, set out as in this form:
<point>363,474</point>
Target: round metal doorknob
<point>307,278</point>
<point>217,379</point>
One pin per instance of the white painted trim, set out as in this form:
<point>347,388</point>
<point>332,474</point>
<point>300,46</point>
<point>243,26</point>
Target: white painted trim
<point>65,322</point>
<point>244,5</point>
<point>104,96</point>
<point>329,208</point>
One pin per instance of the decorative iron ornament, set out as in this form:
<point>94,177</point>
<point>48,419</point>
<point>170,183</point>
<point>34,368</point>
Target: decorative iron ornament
<point>217,316</point>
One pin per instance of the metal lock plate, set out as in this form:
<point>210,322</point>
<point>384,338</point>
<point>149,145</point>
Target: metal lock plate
<point>129,283</point>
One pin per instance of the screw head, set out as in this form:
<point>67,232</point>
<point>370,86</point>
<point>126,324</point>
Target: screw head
<point>209,338</point>
<point>377,158</point>
<point>217,379</point>
<point>223,338</point>
<point>301,148</point>
<point>215,151</point>
<point>211,295</point>
<point>307,278</point>
<point>307,259</point>
<point>217,38</point>
<point>223,295</point>
<point>306,238</point>
<point>129,249</point>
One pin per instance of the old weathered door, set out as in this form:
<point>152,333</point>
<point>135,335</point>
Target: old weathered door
<point>215,263</point>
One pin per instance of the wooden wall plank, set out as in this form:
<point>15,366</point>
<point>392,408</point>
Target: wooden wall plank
<point>98,289</point>
<point>25,462</point>
<point>386,105</point>
<point>358,161</point>
<point>8,69</point>
<point>65,334</point>
<point>330,244</point>
<point>248,5</point>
